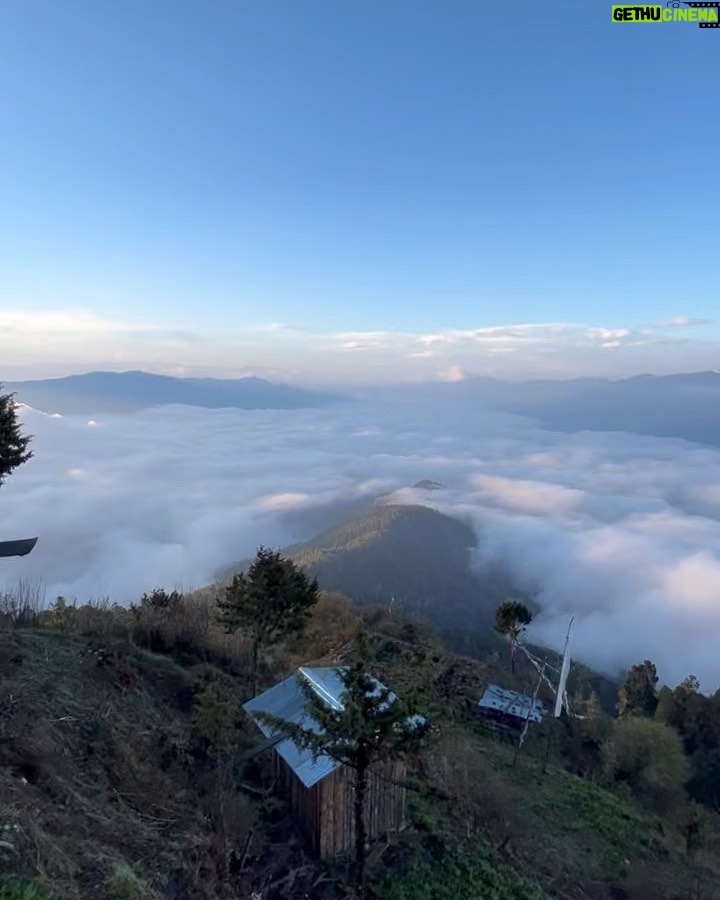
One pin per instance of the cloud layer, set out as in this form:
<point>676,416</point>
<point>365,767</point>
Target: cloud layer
<point>41,344</point>
<point>622,531</point>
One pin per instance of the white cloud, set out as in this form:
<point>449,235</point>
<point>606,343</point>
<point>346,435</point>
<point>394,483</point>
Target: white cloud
<point>536,498</point>
<point>354,345</point>
<point>55,342</point>
<point>64,323</point>
<point>607,334</point>
<point>683,322</point>
<point>422,354</point>
<point>453,374</point>
<point>285,501</point>
<point>275,327</point>
<point>622,531</point>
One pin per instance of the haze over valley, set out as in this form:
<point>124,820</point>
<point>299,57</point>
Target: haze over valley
<point>621,530</point>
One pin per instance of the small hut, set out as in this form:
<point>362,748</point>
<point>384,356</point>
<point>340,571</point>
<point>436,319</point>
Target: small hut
<point>320,790</point>
<point>508,711</point>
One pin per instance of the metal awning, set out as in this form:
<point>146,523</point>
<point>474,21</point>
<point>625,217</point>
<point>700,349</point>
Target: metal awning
<point>17,548</point>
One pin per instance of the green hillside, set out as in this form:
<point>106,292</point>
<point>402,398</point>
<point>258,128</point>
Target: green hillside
<point>412,553</point>
<point>127,774</point>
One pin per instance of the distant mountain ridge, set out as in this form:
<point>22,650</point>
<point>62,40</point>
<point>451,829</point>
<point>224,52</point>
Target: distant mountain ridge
<point>684,405</point>
<point>97,392</point>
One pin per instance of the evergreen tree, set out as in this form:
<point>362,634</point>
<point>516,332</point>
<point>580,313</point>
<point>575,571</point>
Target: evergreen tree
<point>638,695</point>
<point>371,726</point>
<point>13,444</point>
<point>682,709</point>
<point>511,619</point>
<point>159,598</point>
<point>269,603</point>
<point>696,718</point>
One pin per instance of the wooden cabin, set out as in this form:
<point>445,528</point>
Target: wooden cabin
<point>321,791</point>
<point>508,711</point>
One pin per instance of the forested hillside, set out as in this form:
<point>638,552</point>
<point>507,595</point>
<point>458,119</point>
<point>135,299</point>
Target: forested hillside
<point>411,557</point>
<point>128,770</point>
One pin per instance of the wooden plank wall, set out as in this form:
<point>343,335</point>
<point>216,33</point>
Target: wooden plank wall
<point>385,808</point>
<point>304,803</point>
<point>326,810</point>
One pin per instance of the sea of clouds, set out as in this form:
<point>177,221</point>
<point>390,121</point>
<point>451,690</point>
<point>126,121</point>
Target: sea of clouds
<point>619,530</point>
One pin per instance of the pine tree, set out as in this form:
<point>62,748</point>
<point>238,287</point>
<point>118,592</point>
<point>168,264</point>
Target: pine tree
<point>638,695</point>
<point>269,603</point>
<point>371,727</point>
<point>511,619</point>
<point>13,444</point>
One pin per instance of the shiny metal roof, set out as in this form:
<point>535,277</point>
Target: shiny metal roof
<point>511,703</point>
<point>287,701</point>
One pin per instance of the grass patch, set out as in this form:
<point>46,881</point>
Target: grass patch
<point>569,836</point>
<point>468,872</point>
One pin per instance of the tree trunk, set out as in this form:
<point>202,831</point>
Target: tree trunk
<point>512,656</point>
<point>254,666</point>
<point>221,825</point>
<point>360,835</point>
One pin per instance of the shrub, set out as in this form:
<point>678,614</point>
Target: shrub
<point>648,756</point>
<point>465,871</point>
<point>22,606</point>
<point>124,883</point>
<point>331,625</point>
<point>172,624</point>
<point>22,890</point>
<point>581,740</point>
<point>215,716</point>
<point>61,614</point>
<point>159,598</point>
<point>100,617</point>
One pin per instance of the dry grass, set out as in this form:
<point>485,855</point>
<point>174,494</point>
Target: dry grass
<point>111,793</point>
<point>22,606</point>
<point>81,744</point>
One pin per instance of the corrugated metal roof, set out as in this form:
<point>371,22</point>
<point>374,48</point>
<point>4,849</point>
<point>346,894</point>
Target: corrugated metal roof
<point>511,703</point>
<point>326,682</point>
<point>287,701</point>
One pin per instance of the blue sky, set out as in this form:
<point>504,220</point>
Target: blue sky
<point>376,190</point>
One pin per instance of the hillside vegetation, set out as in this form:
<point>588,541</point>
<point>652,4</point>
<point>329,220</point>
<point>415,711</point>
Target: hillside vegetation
<point>128,772</point>
<point>412,557</point>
